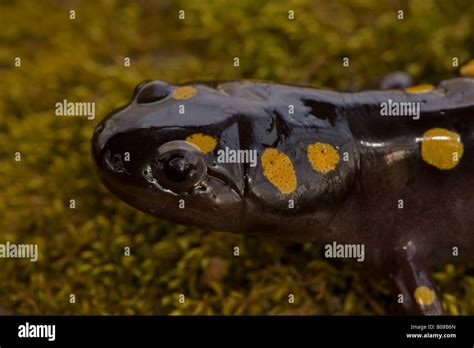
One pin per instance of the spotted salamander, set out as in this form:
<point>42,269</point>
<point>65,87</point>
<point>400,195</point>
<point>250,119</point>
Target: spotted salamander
<point>350,168</point>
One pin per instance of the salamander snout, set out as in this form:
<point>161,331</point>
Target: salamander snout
<point>159,154</point>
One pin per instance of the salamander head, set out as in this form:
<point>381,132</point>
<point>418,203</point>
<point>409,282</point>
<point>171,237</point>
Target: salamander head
<point>163,154</point>
<point>158,154</point>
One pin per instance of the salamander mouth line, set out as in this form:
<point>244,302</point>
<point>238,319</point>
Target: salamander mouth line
<point>222,175</point>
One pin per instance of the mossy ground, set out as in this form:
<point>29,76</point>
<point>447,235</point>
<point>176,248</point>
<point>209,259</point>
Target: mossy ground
<point>81,250</point>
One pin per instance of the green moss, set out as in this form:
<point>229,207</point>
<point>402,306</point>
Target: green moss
<point>82,59</point>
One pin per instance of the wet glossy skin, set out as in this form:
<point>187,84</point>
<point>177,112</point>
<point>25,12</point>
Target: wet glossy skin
<point>379,162</point>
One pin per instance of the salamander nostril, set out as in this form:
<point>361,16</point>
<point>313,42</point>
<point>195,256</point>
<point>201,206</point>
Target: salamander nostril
<point>151,92</point>
<point>114,162</point>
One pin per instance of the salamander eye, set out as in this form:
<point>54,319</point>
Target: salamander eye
<point>179,166</point>
<point>151,92</point>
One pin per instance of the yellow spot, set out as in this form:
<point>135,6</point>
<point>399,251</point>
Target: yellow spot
<point>419,89</point>
<point>424,296</point>
<point>323,157</point>
<point>278,169</point>
<point>184,92</point>
<point>205,143</point>
<point>467,69</point>
<point>441,148</point>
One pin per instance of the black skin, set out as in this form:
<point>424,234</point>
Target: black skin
<point>355,203</point>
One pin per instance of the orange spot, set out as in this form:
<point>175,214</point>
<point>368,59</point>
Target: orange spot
<point>419,89</point>
<point>278,169</point>
<point>184,92</point>
<point>323,157</point>
<point>468,69</point>
<point>424,296</point>
<point>441,148</point>
<point>205,143</point>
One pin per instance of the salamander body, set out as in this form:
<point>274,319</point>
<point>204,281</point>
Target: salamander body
<point>391,170</point>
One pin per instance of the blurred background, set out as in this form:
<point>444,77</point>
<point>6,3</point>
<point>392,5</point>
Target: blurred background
<point>82,249</point>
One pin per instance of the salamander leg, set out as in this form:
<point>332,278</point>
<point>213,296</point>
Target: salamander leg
<point>417,294</point>
<point>396,80</point>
